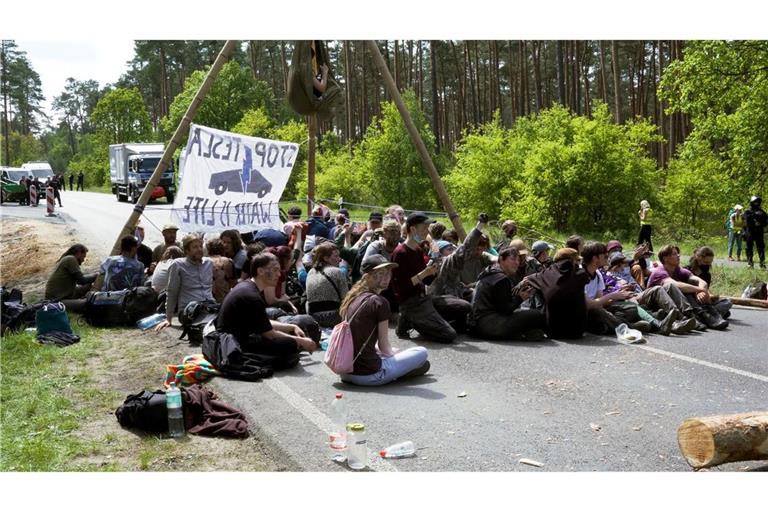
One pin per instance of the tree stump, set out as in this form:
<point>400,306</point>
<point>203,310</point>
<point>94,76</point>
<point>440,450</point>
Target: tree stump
<point>707,442</point>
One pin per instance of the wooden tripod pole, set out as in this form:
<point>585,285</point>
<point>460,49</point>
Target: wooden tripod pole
<point>429,166</point>
<point>224,55</point>
<point>311,150</point>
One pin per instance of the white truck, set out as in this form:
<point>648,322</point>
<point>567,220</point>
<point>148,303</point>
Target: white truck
<point>39,169</point>
<point>131,166</point>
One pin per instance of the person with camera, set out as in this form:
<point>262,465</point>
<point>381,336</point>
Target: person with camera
<point>496,312</point>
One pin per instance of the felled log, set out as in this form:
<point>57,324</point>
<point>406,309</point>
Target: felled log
<point>757,303</point>
<point>714,440</point>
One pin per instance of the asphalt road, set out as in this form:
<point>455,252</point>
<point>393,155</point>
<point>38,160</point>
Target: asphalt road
<point>589,405</point>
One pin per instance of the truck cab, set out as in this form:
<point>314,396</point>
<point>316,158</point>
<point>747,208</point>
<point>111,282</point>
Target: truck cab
<point>131,167</point>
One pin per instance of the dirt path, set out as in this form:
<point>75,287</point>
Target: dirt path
<point>116,363</point>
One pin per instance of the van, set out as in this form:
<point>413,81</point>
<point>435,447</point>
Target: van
<point>39,169</point>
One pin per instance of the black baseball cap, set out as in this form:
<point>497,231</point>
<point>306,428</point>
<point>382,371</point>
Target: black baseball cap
<point>376,216</point>
<point>417,218</point>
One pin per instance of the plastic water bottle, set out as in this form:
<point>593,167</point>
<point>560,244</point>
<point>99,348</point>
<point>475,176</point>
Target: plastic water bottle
<point>357,453</point>
<point>338,436</point>
<point>175,411</point>
<point>399,451</point>
<point>150,321</point>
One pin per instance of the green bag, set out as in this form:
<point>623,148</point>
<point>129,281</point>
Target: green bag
<point>301,94</point>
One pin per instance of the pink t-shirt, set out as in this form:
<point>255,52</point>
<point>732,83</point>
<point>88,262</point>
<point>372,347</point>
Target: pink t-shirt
<point>659,274</point>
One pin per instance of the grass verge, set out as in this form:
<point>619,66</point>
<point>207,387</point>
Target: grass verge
<point>58,408</point>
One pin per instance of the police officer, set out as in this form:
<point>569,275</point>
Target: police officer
<point>755,219</point>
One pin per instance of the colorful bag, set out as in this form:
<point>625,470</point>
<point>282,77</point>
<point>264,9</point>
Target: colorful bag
<point>340,356</point>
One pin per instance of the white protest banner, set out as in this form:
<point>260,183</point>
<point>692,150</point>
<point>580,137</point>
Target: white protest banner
<point>231,181</point>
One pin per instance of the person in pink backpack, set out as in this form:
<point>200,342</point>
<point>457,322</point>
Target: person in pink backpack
<point>377,362</point>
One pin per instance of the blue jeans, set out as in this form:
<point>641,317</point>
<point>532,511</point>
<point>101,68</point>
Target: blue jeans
<point>392,368</point>
<point>733,236</point>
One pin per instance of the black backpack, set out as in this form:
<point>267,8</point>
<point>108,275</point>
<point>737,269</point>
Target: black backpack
<point>120,308</point>
<point>194,317</point>
<point>145,411</point>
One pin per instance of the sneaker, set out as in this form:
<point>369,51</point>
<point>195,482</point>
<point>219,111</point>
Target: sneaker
<point>421,370</point>
<point>730,258</point>
<point>699,326</point>
<point>684,326</point>
<point>641,325</point>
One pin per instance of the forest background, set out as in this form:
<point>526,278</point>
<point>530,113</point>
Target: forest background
<point>566,136</point>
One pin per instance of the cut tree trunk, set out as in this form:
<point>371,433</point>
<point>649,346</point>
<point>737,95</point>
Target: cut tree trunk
<point>714,440</point>
<point>757,303</point>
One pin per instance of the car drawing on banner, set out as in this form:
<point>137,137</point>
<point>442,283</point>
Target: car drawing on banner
<point>232,180</point>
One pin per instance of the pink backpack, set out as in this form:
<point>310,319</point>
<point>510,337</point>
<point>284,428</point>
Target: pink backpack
<point>339,356</point>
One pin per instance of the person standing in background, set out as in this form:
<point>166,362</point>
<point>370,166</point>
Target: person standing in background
<point>645,214</point>
<point>71,181</point>
<point>735,227</point>
<point>80,181</point>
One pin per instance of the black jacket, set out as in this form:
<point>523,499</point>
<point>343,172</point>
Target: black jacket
<point>493,293</point>
<point>565,305</point>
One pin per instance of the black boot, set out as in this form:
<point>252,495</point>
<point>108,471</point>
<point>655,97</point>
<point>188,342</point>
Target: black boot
<point>664,327</point>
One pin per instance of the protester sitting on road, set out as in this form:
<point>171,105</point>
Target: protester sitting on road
<point>251,250</point>
<point>368,315</point>
<point>388,243</point>
<point>162,269</point>
<point>223,269</point>
<point>341,219</point>
<point>436,230</point>
<point>375,221</point>
<point>326,285</point>
<point>190,279</point>
<point>276,296</point>
<point>396,212</point>
<point>700,265</point>
<point>655,299</point>
<point>509,227</point>
<point>169,239</point>
<point>575,242</point>
<point>599,319</point>
<point>695,289</point>
<point>496,312</point>
<point>458,272</point>
<point>450,235</point>
<point>143,253</point>
<point>67,283</point>
<point>640,266</point>
<point>562,289</point>
<point>417,310</point>
<point>124,270</point>
<point>243,314</point>
<point>540,251</point>
<point>294,219</point>
<point>318,226</point>
<point>233,249</point>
